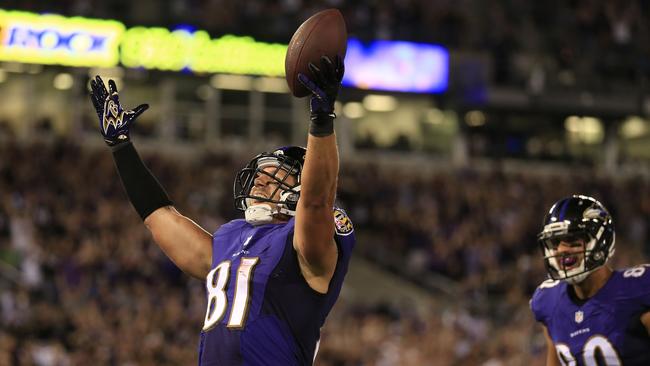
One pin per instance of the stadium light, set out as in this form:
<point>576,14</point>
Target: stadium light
<point>231,82</point>
<point>588,130</point>
<point>271,85</point>
<point>633,127</point>
<point>435,116</point>
<point>63,81</point>
<point>379,103</point>
<point>475,118</point>
<point>572,124</point>
<point>106,72</point>
<point>353,110</point>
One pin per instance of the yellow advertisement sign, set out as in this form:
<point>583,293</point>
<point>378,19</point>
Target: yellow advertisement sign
<point>159,48</point>
<point>54,39</point>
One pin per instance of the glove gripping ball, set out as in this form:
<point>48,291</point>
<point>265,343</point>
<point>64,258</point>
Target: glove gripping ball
<point>323,34</point>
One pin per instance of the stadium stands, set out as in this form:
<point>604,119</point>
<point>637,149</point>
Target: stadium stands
<point>82,283</point>
<point>86,285</point>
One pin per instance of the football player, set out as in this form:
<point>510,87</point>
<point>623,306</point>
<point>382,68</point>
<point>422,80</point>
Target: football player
<point>272,277</point>
<point>591,314</point>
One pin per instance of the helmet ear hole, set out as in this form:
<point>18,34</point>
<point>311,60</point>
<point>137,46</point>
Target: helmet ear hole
<point>598,256</point>
<point>293,198</point>
<point>290,199</point>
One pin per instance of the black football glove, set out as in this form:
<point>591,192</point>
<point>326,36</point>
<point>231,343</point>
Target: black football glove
<point>324,86</point>
<point>114,122</point>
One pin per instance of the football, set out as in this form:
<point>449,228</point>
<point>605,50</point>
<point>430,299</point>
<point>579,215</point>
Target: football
<point>323,34</point>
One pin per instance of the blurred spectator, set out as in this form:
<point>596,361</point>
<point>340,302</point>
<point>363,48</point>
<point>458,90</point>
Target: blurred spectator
<point>82,283</point>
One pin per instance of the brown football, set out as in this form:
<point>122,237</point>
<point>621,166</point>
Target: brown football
<point>323,34</point>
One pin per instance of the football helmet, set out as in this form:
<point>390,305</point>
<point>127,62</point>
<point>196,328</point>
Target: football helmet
<point>576,219</point>
<point>284,160</point>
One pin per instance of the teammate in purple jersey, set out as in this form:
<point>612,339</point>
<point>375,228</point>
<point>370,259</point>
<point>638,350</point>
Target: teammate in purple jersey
<point>591,314</point>
<point>273,277</point>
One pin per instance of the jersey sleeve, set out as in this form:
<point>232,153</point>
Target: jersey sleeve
<point>345,240</point>
<point>343,232</point>
<point>637,279</point>
<point>541,300</point>
<point>645,291</point>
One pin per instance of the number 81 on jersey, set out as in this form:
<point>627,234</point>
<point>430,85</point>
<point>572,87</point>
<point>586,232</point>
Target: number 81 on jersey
<point>216,283</point>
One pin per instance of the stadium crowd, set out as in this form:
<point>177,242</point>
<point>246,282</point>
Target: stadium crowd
<point>83,283</point>
<point>583,43</point>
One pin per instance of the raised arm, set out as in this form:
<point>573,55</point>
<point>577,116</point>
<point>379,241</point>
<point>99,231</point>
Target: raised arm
<point>182,240</point>
<point>186,243</point>
<point>314,228</point>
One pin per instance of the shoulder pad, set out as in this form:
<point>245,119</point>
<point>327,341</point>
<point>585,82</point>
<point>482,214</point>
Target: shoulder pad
<point>342,223</point>
<point>542,299</point>
<point>550,283</point>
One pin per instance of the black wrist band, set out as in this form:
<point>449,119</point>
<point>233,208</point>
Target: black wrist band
<point>322,124</point>
<point>143,189</point>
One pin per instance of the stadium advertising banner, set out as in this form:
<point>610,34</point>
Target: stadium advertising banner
<point>54,39</point>
<point>396,66</point>
<point>82,42</point>
<point>159,48</point>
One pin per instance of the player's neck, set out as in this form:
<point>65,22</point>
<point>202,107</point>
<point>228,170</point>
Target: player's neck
<point>280,219</point>
<point>594,282</point>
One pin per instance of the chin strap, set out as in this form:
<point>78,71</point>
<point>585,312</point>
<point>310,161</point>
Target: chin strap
<point>263,213</point>
<point>259,214</point>
<point>574,280</point>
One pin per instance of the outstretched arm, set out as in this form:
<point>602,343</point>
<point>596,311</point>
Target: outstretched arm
<point>314,228</point>
<point>182,240</point>
<point>186,243</point>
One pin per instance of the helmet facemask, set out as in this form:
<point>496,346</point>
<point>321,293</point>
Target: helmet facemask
<point>279,167</point>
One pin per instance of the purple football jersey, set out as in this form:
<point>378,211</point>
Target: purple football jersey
<point>603,330</point>
<point>260,309</point>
